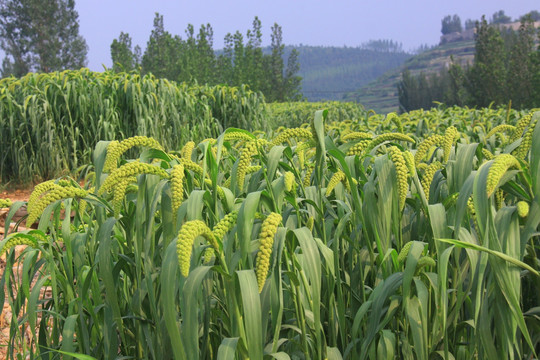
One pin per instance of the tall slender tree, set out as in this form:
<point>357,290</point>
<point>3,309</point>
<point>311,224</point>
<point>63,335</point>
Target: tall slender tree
<point>521,66</point>
<point>277,89</point>
<point>123,57</point>
<point>162,54</point>
<point>488,73</point>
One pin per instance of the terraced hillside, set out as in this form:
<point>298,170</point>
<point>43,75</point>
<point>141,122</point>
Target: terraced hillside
<point>381,94</point>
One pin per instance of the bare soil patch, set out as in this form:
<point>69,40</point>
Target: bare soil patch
<point>6,315</point>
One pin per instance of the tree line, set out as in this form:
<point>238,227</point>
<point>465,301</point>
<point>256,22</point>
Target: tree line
<point>193,59</point>
<point>506,68</point>
<point>43,36</point>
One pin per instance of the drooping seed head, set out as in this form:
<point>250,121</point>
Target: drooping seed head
<point>338,177</point>
<point>423,148</point>
<point>450,135</point>
<point>402,172</point>
<point>56,193</point>
<point>522,209</point>
<point>18,239</point>
<point>266,241</point>
<point>187,149</point>
<point>427,177</point>
<point>289,181</point>
<point>404,252</point>
<point>225,225</point>
<point>387,137</point>
<point>115,149</point>
<point>184,245</point>
<point>501,164</point>
<point>177,187</point>
<point>5,203</point>
<point>356,135</point>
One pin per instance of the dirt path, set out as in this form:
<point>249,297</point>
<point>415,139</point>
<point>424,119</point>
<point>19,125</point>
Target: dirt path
<point>5,316</point>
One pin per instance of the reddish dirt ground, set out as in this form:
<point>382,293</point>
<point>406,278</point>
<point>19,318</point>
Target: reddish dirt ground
<point>5,316</point>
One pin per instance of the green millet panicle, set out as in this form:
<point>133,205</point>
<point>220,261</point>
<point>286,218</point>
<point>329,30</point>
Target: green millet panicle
<point>131,169</point>
<point>409,161</point>
<point>358,149</point>
<point>184,245</point>
<point>219,189</point>
<point>402,172</point>
<point>522,209</point>
<point>115,149</point>
<point>393,117</point>
<point>208,254</point>
<point>5,203</point>
<point>249,150</point>
<point>237,135</point>
<point>225,225</point>
<point>120,192</point>
<point>487,154</point>
<point>177,187</point>
<point>187,149</point>
<point>310,222</point>
<point>356,135</point>
<point>423,148</point>
<point>451,200</point>
<point>499,167</point>
<point>266,241</point>
<point>17,239</point>
<point>503,128</point>
<point>192,166</point>
<point>521,126</point>
<point>338,177</point>
<point>427,177</point>
<point>387,137</point>
<point>472,211</point>
<point>295,133</point>
<point>307,176</point>
<point>289,181</point>
<point>83,203</point>
<point>39,190</point>
<point>56,193</point>
<point>499,198</point>
<point>425,261</point>
<point>524,147</point>
<point>450,135</point>
<point>404,252</point>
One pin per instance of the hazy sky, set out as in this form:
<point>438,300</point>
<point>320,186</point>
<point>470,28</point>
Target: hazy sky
<point>308,22</point>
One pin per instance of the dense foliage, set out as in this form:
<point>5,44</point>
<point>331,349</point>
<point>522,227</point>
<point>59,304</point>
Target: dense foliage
<point>40,36</point>
<point>193,59</point>
<point>49,123</point>
<point>506,68</point>
<point>412,236</point>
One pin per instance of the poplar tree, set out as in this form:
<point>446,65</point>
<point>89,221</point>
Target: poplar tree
<point>123,57</point>
<point>40,36</point>
<point>488,73</point>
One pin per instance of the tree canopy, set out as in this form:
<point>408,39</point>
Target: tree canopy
<point>451,24</point>
<point>40,36</point>
<point>193,59</point>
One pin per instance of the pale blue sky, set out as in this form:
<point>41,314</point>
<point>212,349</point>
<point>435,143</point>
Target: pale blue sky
<point>309,22</point>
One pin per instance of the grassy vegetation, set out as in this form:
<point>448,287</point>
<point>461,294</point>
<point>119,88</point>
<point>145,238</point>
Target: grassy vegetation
<point>375,237</point>
<point>49,123</point>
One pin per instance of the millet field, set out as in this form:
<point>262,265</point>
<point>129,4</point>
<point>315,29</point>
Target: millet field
<point>199,222</point>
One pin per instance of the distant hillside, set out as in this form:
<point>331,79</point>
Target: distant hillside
<point>329,73</point>
<point>381,94</point>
